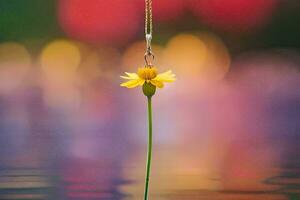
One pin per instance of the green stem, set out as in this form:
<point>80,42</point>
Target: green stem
<point>149,154</point>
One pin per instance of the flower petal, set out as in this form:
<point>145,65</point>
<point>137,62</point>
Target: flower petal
<point>126,77</point>
<point>165,77</point>
<point>157,83</point>
<point>132,75</point>
<point>133,83</point>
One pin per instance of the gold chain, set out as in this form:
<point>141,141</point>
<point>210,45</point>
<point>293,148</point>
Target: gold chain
<point>148,17</point>
<point>149,56</point>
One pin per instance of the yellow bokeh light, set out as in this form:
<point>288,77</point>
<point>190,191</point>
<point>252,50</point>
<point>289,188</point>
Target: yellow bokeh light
<point>13,53</point>
<point>217,62</point>
<point>60,59</point>
<point>185,53</point>
<point>202,56</point>
<point>15,62</point>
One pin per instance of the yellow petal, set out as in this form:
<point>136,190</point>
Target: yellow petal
<point>169,72</point>
<point>133,83</point>
<point>132,75</point>
<point>165,77</point>
<point>157,83</point>
<point>126,77</point>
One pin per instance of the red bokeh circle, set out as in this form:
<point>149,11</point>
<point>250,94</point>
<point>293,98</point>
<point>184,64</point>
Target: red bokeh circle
<point>164,10</point>
<point>234,15</point>
<point>113,21</point>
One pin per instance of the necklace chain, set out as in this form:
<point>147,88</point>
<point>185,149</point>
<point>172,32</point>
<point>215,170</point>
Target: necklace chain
<point>149,56</point>
<point>148,17</point>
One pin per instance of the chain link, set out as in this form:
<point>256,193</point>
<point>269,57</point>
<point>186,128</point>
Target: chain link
<point>148,17</point>
<point>149,56</point>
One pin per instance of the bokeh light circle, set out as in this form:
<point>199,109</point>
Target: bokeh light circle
<point>218,60</point>
<point>234,15</point>
<point>15,62</point>
<point>202,56</point>
<point>185,53</point>
<point>114,21</point>
<point>60,58</point>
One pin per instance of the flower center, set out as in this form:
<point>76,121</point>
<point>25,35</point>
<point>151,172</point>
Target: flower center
<point>147,73</point>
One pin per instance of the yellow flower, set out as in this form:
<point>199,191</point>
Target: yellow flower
<point>147,75</point>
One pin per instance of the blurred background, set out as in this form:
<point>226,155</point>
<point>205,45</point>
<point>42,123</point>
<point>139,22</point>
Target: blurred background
<point>227,129</point>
